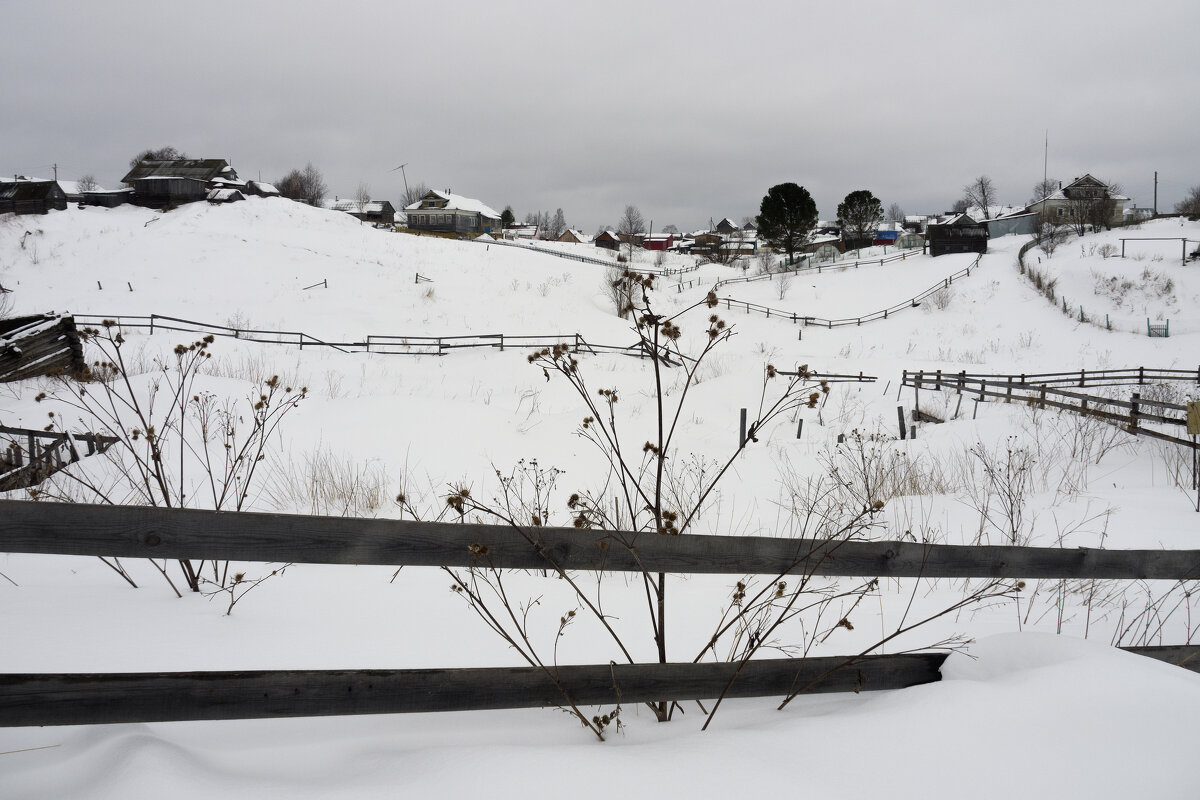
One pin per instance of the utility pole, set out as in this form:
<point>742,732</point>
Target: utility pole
<point>1156,193</point>
<point>56,173</point>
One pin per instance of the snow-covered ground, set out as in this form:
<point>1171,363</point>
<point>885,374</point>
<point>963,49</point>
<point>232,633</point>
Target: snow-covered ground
<point>1028,712</point>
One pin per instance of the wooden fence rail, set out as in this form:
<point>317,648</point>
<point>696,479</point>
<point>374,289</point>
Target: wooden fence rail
<point>145,532</point>
<point>1132,415</point>
<point>806,265</point>
<point>42,454</point>
<point>822,322</point>
<point>74,699</point>
<point>667,271</point>
<point>1130,376</point>
<point>93,699</point>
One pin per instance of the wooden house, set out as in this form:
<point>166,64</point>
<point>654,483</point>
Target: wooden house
<point>1066,204</point>
<point>575,237</point>
<point>727,226</point>
<point>608,240</point>
<point>31,197</point>
<point>451,213</point>
<point>184,180</point>
<point>961,234</point>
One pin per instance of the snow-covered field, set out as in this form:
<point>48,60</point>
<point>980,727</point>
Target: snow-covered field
<point>1025,712</point>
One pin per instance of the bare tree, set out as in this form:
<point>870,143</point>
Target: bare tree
<point>414,193</point>
<point>362,196</point>
<point>630,227</point>
<point>86,183</point>
<point>895,213</point>
<point>980,192</point>
<point>1091,205</point>
<point>167,153</point>
<point>960,206</point>
<point>1190,205</point>
<point>305,186</point>
<point>1043,189</point>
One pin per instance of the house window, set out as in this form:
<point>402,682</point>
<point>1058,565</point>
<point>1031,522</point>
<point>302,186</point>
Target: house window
<point>1061,212</point>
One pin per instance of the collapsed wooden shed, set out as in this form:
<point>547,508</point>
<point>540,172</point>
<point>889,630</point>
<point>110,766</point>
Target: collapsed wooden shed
<point>43,344</point>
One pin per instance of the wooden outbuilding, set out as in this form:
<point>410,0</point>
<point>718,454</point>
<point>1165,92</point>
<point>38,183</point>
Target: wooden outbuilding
<point>608,240</point>
<point>184,180</point>
<point>376,212</point>
<point>962,234</point>
<point>658,241</point>
<point>31,197</point>
<point>44,344</point>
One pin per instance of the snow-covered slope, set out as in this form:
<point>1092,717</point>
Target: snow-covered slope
<point>423,423</point>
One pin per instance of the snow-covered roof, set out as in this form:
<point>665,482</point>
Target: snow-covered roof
<point>224,195</point>
<point>456,202</point>
<point>350,205</point>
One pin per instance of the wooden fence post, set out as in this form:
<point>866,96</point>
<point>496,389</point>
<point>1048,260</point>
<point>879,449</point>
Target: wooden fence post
<point>900,418</point>
<point>1134,411</point>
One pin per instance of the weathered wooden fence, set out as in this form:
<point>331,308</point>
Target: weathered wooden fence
<point>68,699</point>
<point>664,271</point>
<point>386,344</point>
<point>806,265</point>
<point>28,457</point>
<point>1041,389</point>
<point>822,322</point>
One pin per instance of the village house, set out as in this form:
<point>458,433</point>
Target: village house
<point>184,180</point>
<point>451,213</point>
<point>575,237</point>
<point>727,226</point>
<point>1075,199</point>
<point>608,240</point>
<point>960,234</point>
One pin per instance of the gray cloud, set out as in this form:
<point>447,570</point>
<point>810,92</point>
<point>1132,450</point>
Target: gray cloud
<point>690,110</point>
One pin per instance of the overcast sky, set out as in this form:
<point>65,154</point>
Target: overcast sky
<point>689,110</point>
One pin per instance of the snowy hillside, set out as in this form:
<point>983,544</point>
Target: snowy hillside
<point>1025,712</point>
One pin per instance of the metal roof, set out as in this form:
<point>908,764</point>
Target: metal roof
<point>203,169</point>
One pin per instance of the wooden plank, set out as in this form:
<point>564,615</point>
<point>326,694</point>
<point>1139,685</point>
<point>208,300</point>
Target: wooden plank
<point>89,699</point>
<point>142,532</point>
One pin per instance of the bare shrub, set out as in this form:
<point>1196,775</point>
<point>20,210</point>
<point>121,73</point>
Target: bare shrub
<point>1002,496</point>
<point>942,298</point>
<point>177,445</point>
